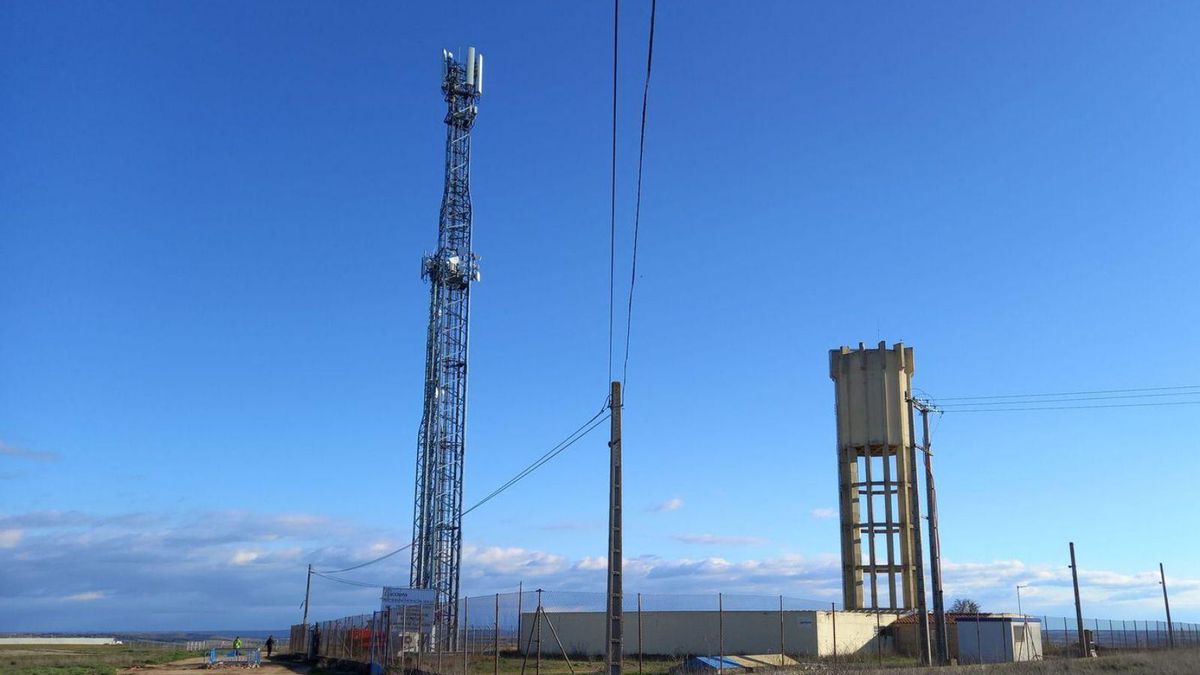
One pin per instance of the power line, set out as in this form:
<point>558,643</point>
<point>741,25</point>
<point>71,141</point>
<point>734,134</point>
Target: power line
<point>612,213</point>
<point>1079,407</point>
<point>369,562</point>
<point>637,210</point>
<point>549,455</point>
<point>348,582</point>
<point>1070,399</point>
<point>1068,393</point>
<point>572,438</point>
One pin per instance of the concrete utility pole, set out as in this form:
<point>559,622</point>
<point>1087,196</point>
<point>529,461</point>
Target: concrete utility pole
<point>613,628</point>
<point>935,540</point>
<point>918,555</point>
<point>307,589</point>
<point>1024,620</point>
<point>1166,603</point>
<point>1083,649</point>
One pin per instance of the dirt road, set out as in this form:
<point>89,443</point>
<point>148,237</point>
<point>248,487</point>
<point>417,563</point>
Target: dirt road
<point>196,665</point>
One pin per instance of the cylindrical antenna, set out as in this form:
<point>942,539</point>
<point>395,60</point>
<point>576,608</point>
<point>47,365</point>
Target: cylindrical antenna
<point>479,74</point>
<point>470,66</point>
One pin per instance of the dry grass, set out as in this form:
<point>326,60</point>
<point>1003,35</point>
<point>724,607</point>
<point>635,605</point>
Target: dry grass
<point>81,659</point>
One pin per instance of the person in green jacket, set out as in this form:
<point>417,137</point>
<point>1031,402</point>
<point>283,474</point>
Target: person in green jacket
<point>237,643</point>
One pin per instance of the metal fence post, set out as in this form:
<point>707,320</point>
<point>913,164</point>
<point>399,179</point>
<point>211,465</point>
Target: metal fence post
<point>720,632</point>
<point>833,616</point>
<point>878,639</point>
<point>466,636</point>
<point>639,601</point>
<point>387,641</point>
<point>420,634</point>
<point>537,626</point>
<point>496,640</point>
<point>978,649</point>
<point>782,639</point>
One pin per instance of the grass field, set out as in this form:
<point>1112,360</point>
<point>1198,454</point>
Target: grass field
<point>81,659</point>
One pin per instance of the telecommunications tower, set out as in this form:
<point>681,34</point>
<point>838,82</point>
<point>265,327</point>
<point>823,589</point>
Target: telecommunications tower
<point>437,511</point>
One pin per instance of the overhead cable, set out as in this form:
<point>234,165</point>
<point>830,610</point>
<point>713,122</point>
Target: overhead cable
<point>369,562</point>
<point>1077,407</point>
<point>1069,393</point>
<point>583,430</point>
<point>1072,399</point>
<point>612,208</point>
<point>637,209</point>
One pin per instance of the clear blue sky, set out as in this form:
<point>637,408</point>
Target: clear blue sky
<point>212,320</point>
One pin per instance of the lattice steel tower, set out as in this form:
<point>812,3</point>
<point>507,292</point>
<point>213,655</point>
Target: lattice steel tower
<point>437,512</point>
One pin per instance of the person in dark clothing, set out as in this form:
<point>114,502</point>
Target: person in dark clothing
<point>270,645</point>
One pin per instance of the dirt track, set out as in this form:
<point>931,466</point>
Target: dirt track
<point>196,665</point>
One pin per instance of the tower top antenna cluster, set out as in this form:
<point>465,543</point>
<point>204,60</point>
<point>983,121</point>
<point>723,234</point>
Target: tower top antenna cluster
<point>465,76</point>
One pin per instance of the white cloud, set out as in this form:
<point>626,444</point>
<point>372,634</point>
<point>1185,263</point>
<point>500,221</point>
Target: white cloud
<point>244,557</point>
<point>24,453</point>
<point>11,537</point>
<point>672,504</point>
<point>179,571</point>
<point>823,513</point>
<point>88,596</point>
<point>719,540</point>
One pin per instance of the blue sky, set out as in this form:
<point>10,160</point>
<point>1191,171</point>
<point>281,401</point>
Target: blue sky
<point>212,317</point>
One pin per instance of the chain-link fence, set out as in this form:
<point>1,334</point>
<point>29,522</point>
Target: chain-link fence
<point>1060,635</point>
<point>561,633</point>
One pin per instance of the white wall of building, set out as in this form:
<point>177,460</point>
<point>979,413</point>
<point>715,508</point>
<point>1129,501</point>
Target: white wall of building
<point>998,640</point>
<point>844,633</point>
<point>708,633</point>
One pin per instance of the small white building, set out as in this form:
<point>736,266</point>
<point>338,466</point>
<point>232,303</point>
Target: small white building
<point>706,633</point>
<point>998,638</point>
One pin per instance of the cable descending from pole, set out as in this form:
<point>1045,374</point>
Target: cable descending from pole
<point>369,562</point>
<point>560,447</point>
<point>612,213</point>
<point>637,209</point>
<point>575,436</point>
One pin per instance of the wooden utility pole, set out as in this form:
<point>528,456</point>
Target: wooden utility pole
<point>1166,603</point>
<point>1083,650</point>
<point>612,627</point>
